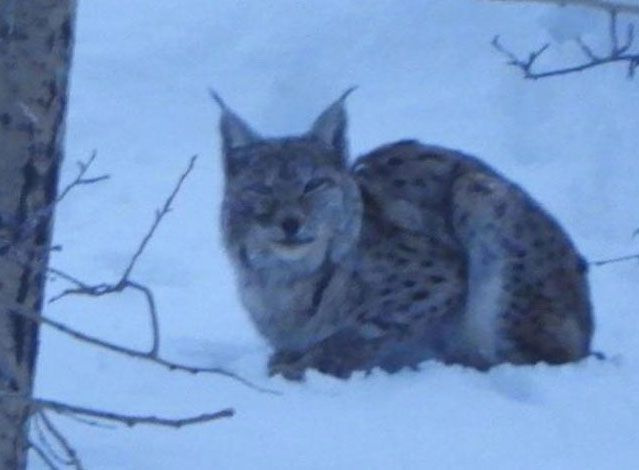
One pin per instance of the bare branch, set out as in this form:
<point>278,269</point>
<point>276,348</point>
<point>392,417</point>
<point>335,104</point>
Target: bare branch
<point>38,404</point>
<point>17,309</point>
<point>134,420</point>
<point>124,282</point>
<point>526,66</point>
<point>44,423</point>
<point>618,52</point>
<point>607,6</point>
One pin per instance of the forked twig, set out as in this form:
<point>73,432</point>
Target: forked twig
<point>124,283</point>
<point>80,180</point>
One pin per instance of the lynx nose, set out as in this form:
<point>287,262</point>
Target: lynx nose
<point>291,226</point>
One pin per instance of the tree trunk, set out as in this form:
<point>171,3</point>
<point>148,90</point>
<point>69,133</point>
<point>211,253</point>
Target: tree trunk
<point>36,40</point>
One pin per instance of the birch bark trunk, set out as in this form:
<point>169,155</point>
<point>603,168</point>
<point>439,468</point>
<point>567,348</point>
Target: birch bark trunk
<point>36,41</point>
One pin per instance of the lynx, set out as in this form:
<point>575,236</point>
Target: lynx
<point>414,252</point>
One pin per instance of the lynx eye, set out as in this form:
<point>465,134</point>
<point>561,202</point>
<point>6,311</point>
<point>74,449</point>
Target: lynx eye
<point>259,188</point>
<point>318,183</point>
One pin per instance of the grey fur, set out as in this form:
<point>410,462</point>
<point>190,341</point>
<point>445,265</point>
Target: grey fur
<point>416,252</point>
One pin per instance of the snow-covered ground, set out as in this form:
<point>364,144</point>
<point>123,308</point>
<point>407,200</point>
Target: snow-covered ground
<point>426,70</point>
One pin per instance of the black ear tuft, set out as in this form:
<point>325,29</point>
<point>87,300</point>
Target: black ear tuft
<point>234,131</point>
<point>330,126</point>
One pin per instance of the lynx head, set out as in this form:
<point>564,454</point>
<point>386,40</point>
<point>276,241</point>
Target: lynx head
<point>290,203</point>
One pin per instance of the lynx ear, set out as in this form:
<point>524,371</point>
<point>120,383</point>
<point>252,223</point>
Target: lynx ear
<point>234,131</point>
<point>330,126</point>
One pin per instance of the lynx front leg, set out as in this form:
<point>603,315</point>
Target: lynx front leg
<point>528,298</point>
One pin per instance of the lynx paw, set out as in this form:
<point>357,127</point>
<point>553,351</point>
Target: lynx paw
<point>290,365</point>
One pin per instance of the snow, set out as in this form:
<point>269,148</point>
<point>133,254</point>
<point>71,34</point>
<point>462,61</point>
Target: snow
<point>425,70</point>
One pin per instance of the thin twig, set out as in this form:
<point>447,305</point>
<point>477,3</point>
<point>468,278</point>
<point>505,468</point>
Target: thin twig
<point>585,48</point>
<point>47,447</point>
<point>79,180</point>
<point>620,259</point>
<point>603,5</point>
<point>43,456</point>
<point>37,404</point>
<point>91,422</point>
<point>630,37</point>
<point>66,277</point>
<point>153,315</point>
<point>72,455</point>
<point>158,218</point>
<point>612,33</point>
